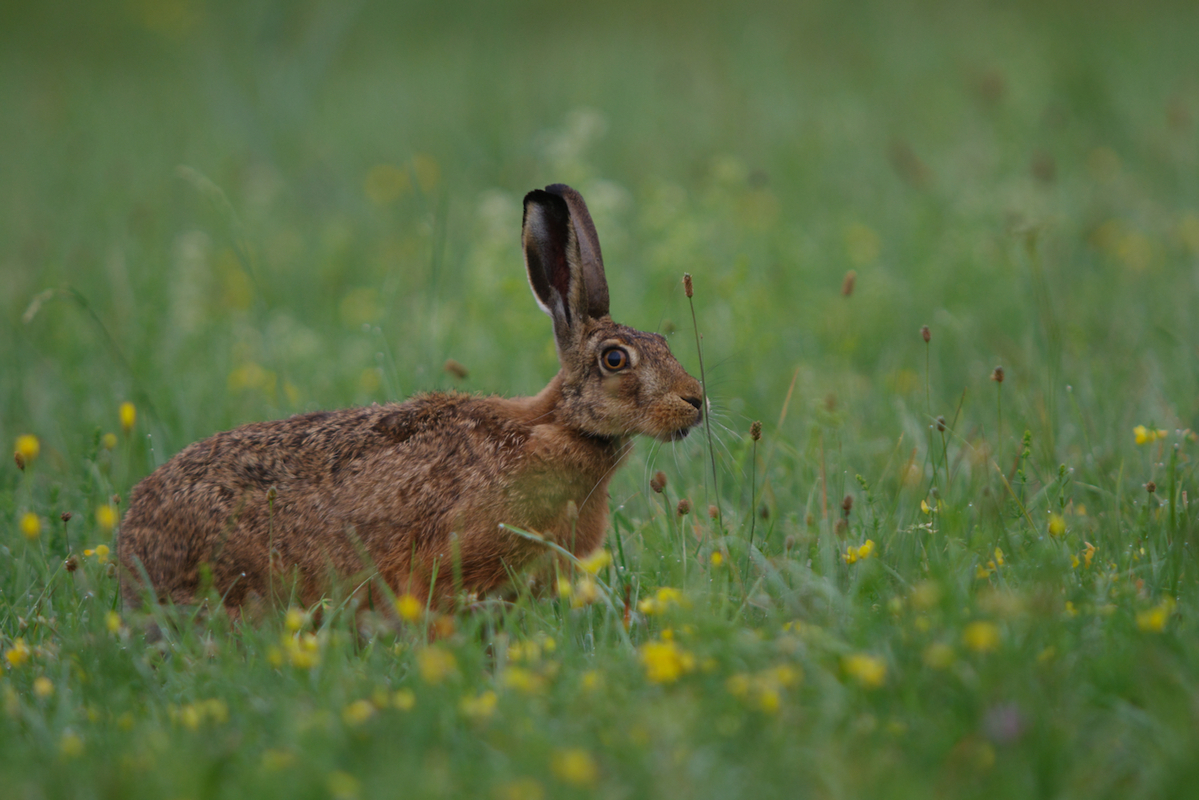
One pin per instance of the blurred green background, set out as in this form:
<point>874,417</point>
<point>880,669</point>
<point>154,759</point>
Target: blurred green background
<point>263,203</point>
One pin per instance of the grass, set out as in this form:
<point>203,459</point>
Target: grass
<point>223,212</point>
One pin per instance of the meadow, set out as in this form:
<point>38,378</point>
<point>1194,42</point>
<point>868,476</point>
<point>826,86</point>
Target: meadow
<point>946,256</point>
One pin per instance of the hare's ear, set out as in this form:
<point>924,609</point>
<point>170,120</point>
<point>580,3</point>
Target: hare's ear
<point>563,261</point>
<point>595,282</point>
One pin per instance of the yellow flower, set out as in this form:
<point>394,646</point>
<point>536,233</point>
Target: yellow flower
<point>1153,620</point>
<point>303,650</point>
<point>409,608</point>
<point>357,712</point>
<point>28,447</point>
<point>855,554</point>
<point>128,415</point>
<point>1145,435</point>
<point>277,760</point>
<point>585,592</point>
<point>738,685</point>
<point>1087,555</point>
<point>575,766</point>
<point>31,526</point>
<point>479,708</point>
<point>521,789</point>
<point>385,183</point>
<point>43,687</point>
<point>591,680</point>
<point>769,700</point>
<point>565,590</point>
<point>70,745</point>
<point>717,558</point>
<point>662,600</point>
<point>925,595</point>
<point>295,619</point>
<point>100,552</point>
<point>18,654</point>
<point>523,680</point>
<point>981,637</point>
<point>112,621</point>
<point>998,557</point>
<point>215,709</point>
<point>109,441</point>
<point>403,699</point>
<point>925,507</point>
<point>938,655</point>
<point>870,671</point>
<point>106,518</point>
<point>665,662</point>
<point>342,785</point>
<point>1057,525</point>
<point>596,561</point>
<point>435,664</point>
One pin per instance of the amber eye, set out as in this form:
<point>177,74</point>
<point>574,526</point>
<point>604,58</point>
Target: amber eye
<point>616,358</point>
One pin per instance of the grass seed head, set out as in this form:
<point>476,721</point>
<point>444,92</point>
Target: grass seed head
<point>658,482</point>
<point>1151,487</point>
<point>997,374</point>
<point>456,369</point>
<point>65,516</point>
<point>20,459</point>
<point>755,430</point>
<point>684,507</point>
<point>851,277</point>
<point>925,334</point>
<point>941,424</point>
<point>687,287</point>
<point>713,511</point>
<point>847,505</point>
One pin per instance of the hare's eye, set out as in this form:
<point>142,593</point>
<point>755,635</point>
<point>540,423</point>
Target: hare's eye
<point>616,358</point>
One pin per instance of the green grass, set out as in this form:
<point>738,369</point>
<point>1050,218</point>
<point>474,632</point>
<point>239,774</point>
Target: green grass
<point>225,212</point>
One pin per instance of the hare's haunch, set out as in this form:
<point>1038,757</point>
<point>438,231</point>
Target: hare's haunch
<point>379,493</point>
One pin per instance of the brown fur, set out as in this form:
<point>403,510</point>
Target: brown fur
<point>419,489</point>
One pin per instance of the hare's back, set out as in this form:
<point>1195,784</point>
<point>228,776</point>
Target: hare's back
<point>332,449</point>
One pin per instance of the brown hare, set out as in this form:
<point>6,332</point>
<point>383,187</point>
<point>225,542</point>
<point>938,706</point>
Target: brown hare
<point>414,494</point>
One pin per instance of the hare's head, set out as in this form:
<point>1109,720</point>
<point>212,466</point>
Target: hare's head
<point>616,380</point>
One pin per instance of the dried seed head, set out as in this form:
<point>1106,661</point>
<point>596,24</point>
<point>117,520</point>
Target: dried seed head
<point>65,516</point>
<point>684,507</point>
<point>271,494</point>
<point>789,542</point>
<point>456,369</point>
<point>116,499</point>
<point>764,512</point>
<point>1151,487</point>
<point>755,431</point>
<point>658,482</point>
<point>847,505</point>
<point>20,459</point>
<point>997,374</point>
<point>925,333</point>
<point>71,564</point>
<point>713,512</point>
<point>841,528</point>
<point>847,284</point>
<point>687,287</point>
<point>941,424</point>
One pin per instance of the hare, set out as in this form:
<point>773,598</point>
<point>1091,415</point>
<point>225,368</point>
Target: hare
<point>414,494</point>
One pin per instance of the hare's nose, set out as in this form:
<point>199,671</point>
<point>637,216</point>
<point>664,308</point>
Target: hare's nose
<point>697,404</point>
